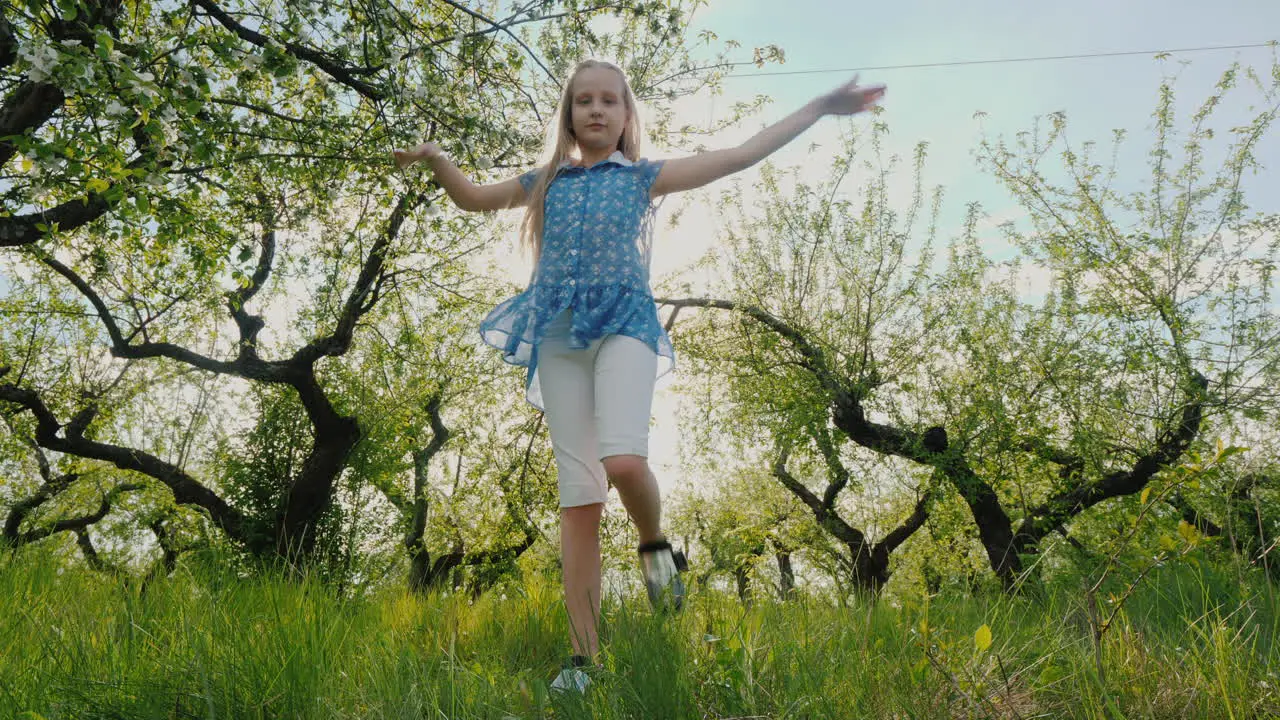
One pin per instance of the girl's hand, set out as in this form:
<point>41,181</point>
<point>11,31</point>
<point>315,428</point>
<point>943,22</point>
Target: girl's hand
<point>851,98</point>
<point>425,151</point>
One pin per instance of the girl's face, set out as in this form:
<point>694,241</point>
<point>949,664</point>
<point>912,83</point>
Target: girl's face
<point>599,108</point>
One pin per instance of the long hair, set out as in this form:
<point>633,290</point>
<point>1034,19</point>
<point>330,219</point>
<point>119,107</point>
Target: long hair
<point>560,138</point>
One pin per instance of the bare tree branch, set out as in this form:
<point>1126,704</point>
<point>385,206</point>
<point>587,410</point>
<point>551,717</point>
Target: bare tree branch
<point>929,448</point>
<point>919,515</point>
<point>49,489</point>
<point>29,107</point>
<point>8,43</point>
<point>186,490</point>
<point>815,360</point>
<point>869,563</point>
<point>364,294</point>
<point>340,72</point>
<point>1175,441</point>
<point>839,473</point>
<point>79,523</point>
<point>20,230</point>
<point>251,325</point>
<point>34,103</point>
<point>504,28</point>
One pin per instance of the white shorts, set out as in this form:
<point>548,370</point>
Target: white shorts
<point>598,400</point>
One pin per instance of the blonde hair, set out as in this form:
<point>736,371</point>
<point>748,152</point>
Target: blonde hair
<point>560,138</point>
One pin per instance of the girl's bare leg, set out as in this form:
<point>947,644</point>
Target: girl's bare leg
<point>580,560</point>
<point>639,492</point>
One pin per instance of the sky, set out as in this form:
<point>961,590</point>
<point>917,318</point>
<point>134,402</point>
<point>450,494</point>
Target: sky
<point>938,104</point>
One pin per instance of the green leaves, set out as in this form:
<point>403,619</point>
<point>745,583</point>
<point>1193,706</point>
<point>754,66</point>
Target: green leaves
<point>982,638</point>
<point>69,9</point>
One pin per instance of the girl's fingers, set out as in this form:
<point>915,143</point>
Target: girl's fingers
<point>861,96</point>
<point>872,92</point>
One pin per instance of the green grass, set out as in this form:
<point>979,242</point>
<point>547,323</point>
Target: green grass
<point>74,644</point>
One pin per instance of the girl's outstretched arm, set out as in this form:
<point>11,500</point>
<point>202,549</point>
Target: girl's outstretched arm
<point>695,171</point>
<point>464,193</point>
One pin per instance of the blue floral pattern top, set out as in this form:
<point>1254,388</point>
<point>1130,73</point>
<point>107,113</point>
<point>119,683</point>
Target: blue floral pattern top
<point>594,262</point>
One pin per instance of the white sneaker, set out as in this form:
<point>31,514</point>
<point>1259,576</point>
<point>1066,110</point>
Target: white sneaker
<point>571,679</point>
<point>661,566</point>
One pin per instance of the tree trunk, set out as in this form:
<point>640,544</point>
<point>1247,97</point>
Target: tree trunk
<point>786,574</point>
<point>312,492</point>
<point>744,583</point>
<point>995,529</point>
<point>420,577</point>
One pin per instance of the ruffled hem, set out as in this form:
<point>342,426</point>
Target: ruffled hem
<point>518,325</point>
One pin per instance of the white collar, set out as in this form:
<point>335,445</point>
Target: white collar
<point>617,158</point>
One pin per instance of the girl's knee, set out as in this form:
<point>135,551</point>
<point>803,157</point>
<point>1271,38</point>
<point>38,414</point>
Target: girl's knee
<point>626,468</point>
<point>579,514</point>
<point>580,528</point>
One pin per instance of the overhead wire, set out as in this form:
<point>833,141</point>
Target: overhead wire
<point>997,61</point>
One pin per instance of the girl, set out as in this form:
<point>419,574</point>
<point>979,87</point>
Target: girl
<point>587,327</point>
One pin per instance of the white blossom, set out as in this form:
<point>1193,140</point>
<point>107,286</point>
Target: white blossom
<point>168,132</point>
<point>143,85</point>
<point>43,60</point>
<point>484,163</point>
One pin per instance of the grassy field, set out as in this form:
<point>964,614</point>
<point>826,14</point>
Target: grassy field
<point>77,645</point>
